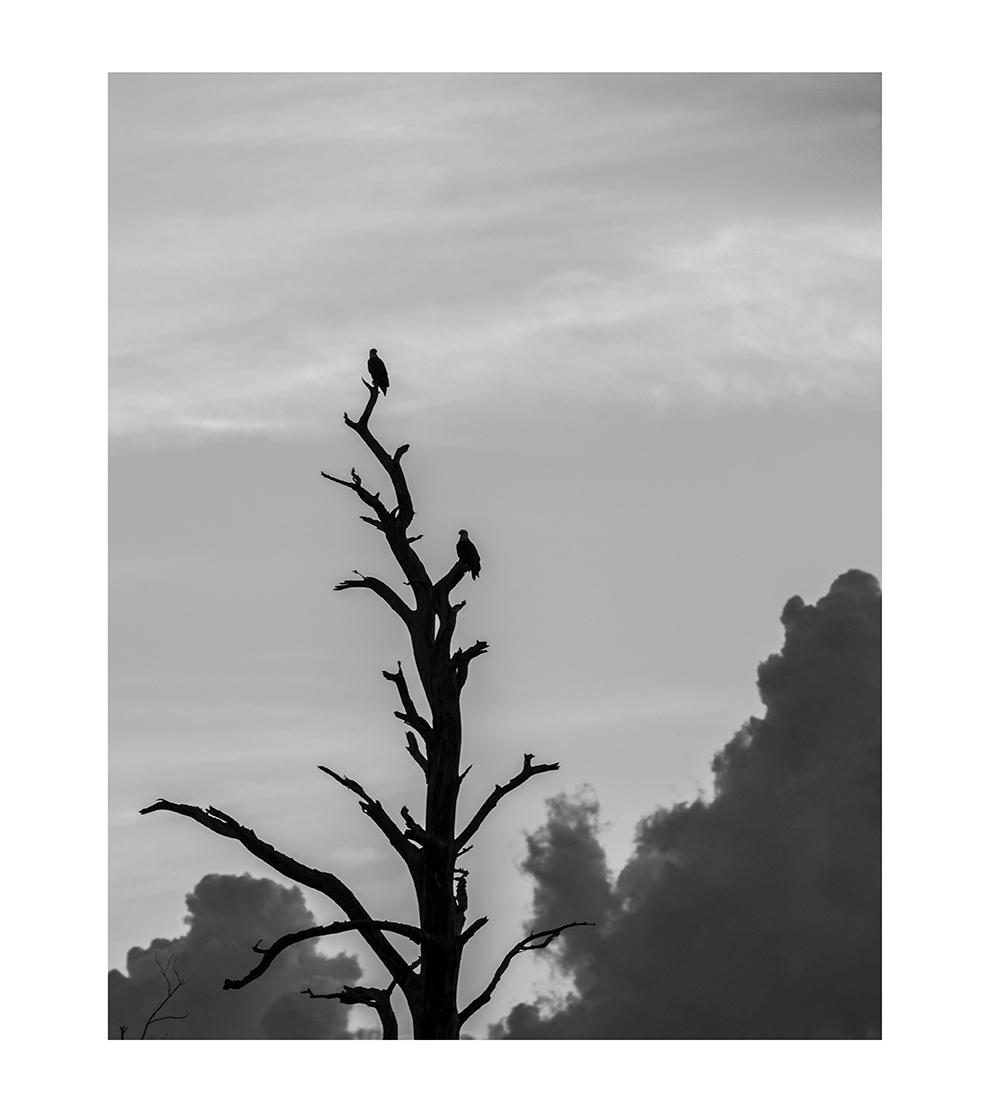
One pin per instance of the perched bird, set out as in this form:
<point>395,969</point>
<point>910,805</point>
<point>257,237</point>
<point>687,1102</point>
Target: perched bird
<point>468,554</point>
<point>376,368</point>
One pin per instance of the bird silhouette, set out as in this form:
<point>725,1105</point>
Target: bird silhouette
<point>468,554</point>
<point>376,368</point>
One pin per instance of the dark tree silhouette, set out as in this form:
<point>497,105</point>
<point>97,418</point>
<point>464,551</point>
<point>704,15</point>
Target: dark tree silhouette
<point>429,850</point>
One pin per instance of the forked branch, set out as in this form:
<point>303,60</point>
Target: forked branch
<point>500,791</point>
<point>369,499</point>
<point>448,582</point>
<point>409,714</point>
<point>390,463</point>
<point>463,657</point>
<point>168,970</point>
<point>447,615</point>
<point>373,393</point>
<point>538,940</point>
<point>392,523</point>
<point>214,819</point>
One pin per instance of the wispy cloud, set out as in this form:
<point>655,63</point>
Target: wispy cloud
<point>708,238</point>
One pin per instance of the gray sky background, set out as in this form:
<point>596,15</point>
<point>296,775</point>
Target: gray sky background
<point>632,324</point>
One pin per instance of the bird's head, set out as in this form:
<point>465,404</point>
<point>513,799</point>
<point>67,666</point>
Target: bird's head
<point>374,351</point>
<point>462,532</point>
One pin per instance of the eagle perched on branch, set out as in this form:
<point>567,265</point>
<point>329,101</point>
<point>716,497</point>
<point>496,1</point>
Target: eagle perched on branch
<point>468,554</point>
<point>376,368</point>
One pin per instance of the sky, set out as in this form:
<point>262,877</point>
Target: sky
<point>632,326</point>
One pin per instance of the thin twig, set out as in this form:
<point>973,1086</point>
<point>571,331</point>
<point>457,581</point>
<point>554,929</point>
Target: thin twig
<point>170,990</point>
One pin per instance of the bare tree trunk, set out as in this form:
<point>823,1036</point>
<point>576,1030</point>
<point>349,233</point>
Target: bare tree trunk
<point>435,1016</point>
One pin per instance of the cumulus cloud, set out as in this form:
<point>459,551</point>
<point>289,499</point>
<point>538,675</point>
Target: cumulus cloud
<point>227,915</point>
<point>755,915</point>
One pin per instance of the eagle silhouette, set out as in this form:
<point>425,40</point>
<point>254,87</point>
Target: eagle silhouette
<point>468,554</point>
<point>376,368</point>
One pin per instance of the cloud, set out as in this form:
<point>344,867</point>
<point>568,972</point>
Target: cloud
<point>755,915</point>
<point>227,915</point>
<point>697,237</point>
<point>742,313</point>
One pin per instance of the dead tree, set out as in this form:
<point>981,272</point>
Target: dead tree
<point>430,850</point>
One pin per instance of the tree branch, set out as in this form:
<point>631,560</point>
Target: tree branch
<point>472,930</point>
<point>448,582</point>
<point>369,499</point>
<point>170,990</point>
<point>378,998</point>
<point>393,523</point>
<point>214,819</point>
<point>409,714</point>
<point>414,832</point>
<point>463,657</point>
<point>287,940</point>
<point>380,817</point>
<point>390,463</point>
<point>447,615</point>
<point>538,940</point>
<point>383,590</point>
<point>416,753</point>
<point>499,791</point>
